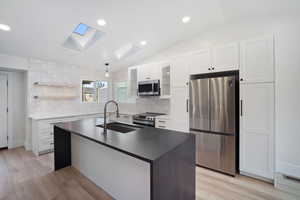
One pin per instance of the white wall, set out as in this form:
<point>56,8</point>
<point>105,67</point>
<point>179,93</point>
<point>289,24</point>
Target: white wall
<point>288,99</point>
<point>286,30</point>
<point>34,70</point>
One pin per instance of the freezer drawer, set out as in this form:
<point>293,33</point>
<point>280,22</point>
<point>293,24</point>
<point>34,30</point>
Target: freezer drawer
<point>216,152</point>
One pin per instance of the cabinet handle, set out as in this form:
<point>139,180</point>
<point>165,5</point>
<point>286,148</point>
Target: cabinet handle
<point>52,143</point>
<point>241,108</point>
<point>213,68</point>
<point>161,127</point>
<point>209,69</point>
<point>162,121</point>
<point>187,105</point>
<point>147,77</point>
<point>241,79</point>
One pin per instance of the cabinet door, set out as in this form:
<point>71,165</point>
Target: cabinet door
<point>165,84</point>
<point>179,109</point>
<point>257,129</point>
<point>257,60</point>
<point>132,81</point>
<point>180,72</point>
<point>200,62</point>
<point>143,73</point>
<point>225,57</point>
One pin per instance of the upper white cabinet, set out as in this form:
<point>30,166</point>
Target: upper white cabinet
<point>149,72</point>
<point>165,83</point>
<point>200,62</point>
<point>257,60</point>
<point>180,72</point>
<point>217,59</point>
<point>257,129</point>
<point>225,57</point>
<point>132,81</point>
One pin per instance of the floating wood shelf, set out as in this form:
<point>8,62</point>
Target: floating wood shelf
<point>61,85</point>
<point>55,97</point>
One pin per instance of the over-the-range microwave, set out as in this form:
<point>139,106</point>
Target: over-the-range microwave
<point>149,88</point>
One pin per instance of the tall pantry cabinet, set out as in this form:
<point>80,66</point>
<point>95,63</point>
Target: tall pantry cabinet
<point>257,107</point>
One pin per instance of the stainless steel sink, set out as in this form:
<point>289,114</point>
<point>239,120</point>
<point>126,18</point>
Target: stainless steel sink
<point>120,127</point>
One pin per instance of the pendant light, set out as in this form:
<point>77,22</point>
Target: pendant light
<point>106,70</point>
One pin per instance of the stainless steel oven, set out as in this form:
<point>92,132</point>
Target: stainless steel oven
<point>149,88</point>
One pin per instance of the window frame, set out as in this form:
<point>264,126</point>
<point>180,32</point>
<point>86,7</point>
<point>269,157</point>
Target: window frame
<point>98,100</point>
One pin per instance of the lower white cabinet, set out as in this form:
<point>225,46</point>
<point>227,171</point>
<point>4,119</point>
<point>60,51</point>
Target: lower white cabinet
<point>180,109</point>
<point>257,129</point>
<point>43,133</point>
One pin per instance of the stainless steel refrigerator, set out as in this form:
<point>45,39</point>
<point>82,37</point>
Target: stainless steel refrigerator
<point>213,118</point>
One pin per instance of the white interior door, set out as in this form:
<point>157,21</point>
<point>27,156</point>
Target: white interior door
<point>3,111</point>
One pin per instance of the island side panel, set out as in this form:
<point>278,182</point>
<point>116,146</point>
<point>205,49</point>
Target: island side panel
<point>62,148</point>
<point>120,175</point>
<point>174,174</point>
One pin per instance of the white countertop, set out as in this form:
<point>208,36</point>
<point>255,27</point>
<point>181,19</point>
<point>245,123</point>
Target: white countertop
<point>65,115</point>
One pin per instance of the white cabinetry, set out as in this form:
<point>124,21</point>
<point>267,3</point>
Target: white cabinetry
<point>179,109</point>
<point>257,60</point>
<point>132,81</point>
<point>43,133</point>
<point>149,72</point>
<point>163,122</point>
<point>165,81</point>
<point>225,57</point>
<point>257,129</point>
<point>200,62</point>
<point>217,59</point>
<point>180,72</point>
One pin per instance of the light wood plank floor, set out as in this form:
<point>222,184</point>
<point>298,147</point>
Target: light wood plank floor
<point>24,176</point>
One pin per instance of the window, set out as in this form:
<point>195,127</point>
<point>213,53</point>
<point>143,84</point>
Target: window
<point>81,29</point>
<point>94,91</point>
<point>121,92</point>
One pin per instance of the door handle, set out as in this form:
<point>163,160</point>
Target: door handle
<point>187,105</point>
<point>241,108</point>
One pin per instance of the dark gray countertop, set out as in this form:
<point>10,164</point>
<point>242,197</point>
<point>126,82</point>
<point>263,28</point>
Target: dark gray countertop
<point>147,144</point>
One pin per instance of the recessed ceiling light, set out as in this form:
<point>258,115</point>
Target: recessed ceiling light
<point>4,27</point>
<point>101,22</point>
<point>143,43</point>
<point>186,19</point>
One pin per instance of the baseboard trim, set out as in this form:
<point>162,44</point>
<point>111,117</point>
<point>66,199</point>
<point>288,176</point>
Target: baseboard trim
<point>257,177</point>
<point>288,169</point>
<point>287,184</point>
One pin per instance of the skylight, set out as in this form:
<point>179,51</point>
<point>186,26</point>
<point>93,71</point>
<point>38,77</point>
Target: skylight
<point>82,37</point>
<point>81,29</point>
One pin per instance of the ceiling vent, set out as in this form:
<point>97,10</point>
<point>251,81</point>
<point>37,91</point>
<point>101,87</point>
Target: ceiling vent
<point>126,51</point>
<point>82,37</point>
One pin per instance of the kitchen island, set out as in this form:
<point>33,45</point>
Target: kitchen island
<point>143,164</point>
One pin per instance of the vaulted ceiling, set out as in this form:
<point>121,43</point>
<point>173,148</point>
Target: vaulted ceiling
<point>40,27</point>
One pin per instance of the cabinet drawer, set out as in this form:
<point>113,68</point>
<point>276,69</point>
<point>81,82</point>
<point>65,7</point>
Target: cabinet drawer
<point>46,133</point>
<point>44,125</point>
<point>162,123</point>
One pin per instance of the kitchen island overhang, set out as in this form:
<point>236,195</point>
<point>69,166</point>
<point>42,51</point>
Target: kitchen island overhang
<point>149,163</point>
